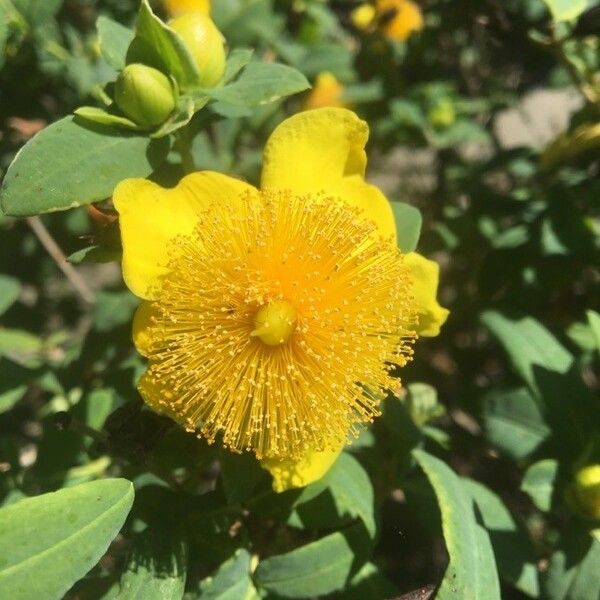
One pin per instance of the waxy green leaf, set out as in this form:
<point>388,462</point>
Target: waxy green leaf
<point>51,541</point>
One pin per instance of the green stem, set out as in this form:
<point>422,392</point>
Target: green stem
<point>184,147</point>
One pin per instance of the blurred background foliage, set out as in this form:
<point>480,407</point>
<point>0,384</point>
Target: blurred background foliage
<point>485,117</point>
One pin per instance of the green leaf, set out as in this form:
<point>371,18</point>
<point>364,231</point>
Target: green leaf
<point>232,580</point>
<point>236,61</point>
<point>38,13</point>
<point>157,45</point>
<point>70,164</point>
<point>349,490</point>
<point>241,474</point>
<point>95,254</point>
<point>114,40</point>
<point>574,569</point>
<point>513,550</point>
<point>157,565</point>
<point>422,403</point>
<point>593,320</point>
<point>316,569</point>
<point>408,225</point>
<point>471,573</point>
<point>261,83</point>
<point>459,133</point>
<point>4,32</point>
<point>22,347</point>
<point>539,481</point>
<point>112,309</point>
<point>98,115</point>
<point>528,345</point>
<point>370,584</point>
<point>513,422</point>
<point>188,105</point>
<point>8,398</point>
<point>566,10</point>
<point>51,541</point>
<point>10,288</point>
<point>14,382</point>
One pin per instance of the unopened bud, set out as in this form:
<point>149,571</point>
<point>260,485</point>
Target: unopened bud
<point>205,43</point>
<point>570,145</point>
<point>175,8</point>
<point>583,493</point>
<point>442,114</point>
<point>145,95</point>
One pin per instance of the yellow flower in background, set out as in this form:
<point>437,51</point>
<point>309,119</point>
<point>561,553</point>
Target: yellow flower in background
<point>396,19</point>
<point>326,91</point>
<point>175,8</point>
<point>274,317</point>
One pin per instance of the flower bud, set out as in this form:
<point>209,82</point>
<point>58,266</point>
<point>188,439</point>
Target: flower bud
<point>145,95</point>
<point>584,492</point>
<point>570,145</point>
<point>442,114</point>
<point>205,43</point>
<point>175,8</point>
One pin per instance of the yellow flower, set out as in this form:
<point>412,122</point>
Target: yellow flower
<point>396,19</point>
<point>175,8</point>
<point>363,16</point>
<point>326,91</point>
<point>274,316</point>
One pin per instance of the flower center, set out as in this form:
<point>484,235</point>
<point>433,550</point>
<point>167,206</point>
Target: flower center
<point>274,323</point>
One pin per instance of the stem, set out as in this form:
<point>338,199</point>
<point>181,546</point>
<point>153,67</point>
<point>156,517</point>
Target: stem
<point>184,147</point>
<point>555,46</point>
<point>53,249</point>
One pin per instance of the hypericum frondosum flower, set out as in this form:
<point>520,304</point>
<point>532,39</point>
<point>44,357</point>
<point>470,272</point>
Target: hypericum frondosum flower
<point>396,19</point>
<point>176,8</point>
<point>273,318</point>
<point>326,91</point>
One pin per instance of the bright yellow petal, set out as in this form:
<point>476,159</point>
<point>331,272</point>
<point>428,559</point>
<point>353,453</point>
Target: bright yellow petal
<point>289,474</point>
<point>142,321</point>
<point>369,199</point>
<point>312,150</point>
<point>426,276</point>
<point>152,216</point>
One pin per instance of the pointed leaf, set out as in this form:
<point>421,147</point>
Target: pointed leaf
<point>157,565</point>
<point>316,569</point>
<point>72,163</point>
<point>471,573</point>
<point>261,83</point>
<point>51,541</point>
<point>114,41</point>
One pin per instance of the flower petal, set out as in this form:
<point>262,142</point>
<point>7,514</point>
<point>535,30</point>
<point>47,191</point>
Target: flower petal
<point>152,216</point>
<point>426,276</point>
<point>142,321</point>
<point>312,150</point>
<point>375,206</point>
<point>288,474</point>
